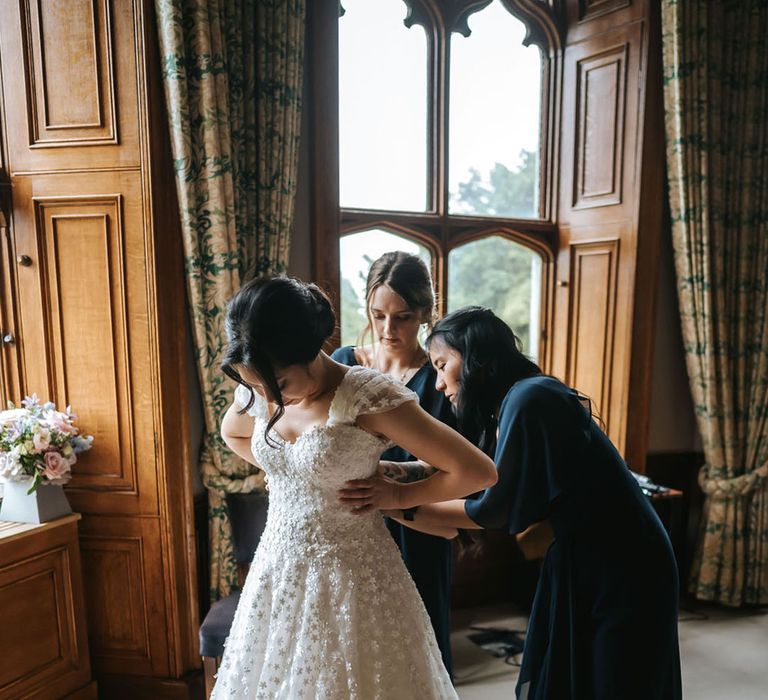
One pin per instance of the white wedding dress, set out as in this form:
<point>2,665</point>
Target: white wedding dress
<point>328,610</point>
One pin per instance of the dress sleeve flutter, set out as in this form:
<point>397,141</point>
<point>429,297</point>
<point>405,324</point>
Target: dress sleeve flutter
<point>542,433</point>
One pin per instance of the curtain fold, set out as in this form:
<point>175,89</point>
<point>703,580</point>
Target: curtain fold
<point>232,74</point>
<point>716,106</point>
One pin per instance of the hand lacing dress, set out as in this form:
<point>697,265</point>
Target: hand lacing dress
<point>328,609</point>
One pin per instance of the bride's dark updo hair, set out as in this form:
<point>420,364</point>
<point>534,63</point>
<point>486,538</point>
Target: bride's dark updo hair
<point>272,323</point>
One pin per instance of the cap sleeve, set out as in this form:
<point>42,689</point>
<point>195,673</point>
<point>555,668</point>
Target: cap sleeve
<point>382,393</point>
<point>243,397</point>
<point>369,391</point>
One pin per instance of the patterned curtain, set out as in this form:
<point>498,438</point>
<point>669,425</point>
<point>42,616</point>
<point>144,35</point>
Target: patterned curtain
<point>232,72</point>
<point>716,103</point>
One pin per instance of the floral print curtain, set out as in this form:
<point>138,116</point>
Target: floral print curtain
<point>232,73</point>
<point>716,104</point>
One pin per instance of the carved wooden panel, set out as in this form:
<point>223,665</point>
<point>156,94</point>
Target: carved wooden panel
<point>126,593</point>
<point>589,9</point>
<point>83,330</point>
<point>70,74</point>
<point>600,107</point>
<point>84,291</point>
<point>70,80</point>
<point>31,594</point>
<point>109,563</point>
<point>101,315</point>
<point>37,610</point>
<point>603,135</point>
<point>43,643</point>
<point>592,320</point>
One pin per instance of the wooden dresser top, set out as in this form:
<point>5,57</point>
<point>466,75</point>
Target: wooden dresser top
<point>10,530</point>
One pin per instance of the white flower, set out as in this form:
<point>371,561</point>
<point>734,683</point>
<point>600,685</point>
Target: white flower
<point>30,401</point>
<point>5,467</point>
<point>12,415</point>
<point>10,464</point>
<point>41,438</point>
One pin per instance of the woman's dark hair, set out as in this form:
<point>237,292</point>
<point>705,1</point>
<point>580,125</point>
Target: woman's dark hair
<point>407,276</point>
<point>491,363</point>
<point>275,322</point>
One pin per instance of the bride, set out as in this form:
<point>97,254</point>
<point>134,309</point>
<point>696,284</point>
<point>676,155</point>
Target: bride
<point>328,609</point>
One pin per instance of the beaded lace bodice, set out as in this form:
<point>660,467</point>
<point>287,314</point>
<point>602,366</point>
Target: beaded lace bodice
<point>304,476</point>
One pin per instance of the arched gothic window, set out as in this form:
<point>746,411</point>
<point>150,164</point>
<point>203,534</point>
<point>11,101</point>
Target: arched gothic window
<point>445,133</point>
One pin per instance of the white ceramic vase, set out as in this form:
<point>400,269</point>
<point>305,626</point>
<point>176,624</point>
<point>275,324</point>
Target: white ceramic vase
<point>47,502</point>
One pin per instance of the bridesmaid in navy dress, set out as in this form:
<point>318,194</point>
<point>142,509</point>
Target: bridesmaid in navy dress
<point>604,619</point>
<point>400,299</point>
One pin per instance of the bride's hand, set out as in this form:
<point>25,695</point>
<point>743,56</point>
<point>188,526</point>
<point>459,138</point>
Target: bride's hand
<point>364,495</point>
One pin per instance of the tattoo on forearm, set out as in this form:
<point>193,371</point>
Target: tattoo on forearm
<point>406,472</point>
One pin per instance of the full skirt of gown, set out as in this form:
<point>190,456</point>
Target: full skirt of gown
<point>328,610</point>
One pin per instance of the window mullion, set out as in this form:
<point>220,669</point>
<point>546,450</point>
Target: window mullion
<point>441,97</point>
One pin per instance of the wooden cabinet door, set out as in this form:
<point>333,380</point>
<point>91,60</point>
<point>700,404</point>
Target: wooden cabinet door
<point>83,326</point>
<point>10,355</point>
<point>77,234</point>
<point>72,83</point>
<point>44,647</point>
<point>610,173</point>
<point>91,285</point>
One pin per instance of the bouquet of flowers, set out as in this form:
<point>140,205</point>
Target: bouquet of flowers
<point>38,442</point>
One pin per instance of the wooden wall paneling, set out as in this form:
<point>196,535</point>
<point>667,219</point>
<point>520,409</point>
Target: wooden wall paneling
<point>81,254</point>
<point>600,109</point>
<point>41,608</point>
<point>74,96</point>
<point>604,118</point>
<point>606,70</point>
<point>650,206</point>
<point>126,687</point>
<point>10,364</point>
<point>323,23</point>
<point>102,313</point>
<point>10,358</point>
<point>84,332</point>
<point>126,593</point>
<point>4,184</point>
<point>31,594</point>
<point>168,335</point>
<point>590,9</point>
<point>593,320</point>
<point>599,158</point>
<point>588,18</point>
<point>80,111</point>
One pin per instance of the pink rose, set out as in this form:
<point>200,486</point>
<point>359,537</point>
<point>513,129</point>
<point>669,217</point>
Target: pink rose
<point>56,466</point>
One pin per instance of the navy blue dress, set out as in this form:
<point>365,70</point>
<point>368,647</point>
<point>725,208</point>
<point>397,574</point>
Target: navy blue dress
<point>604,618</point>
<point>429,559</point>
